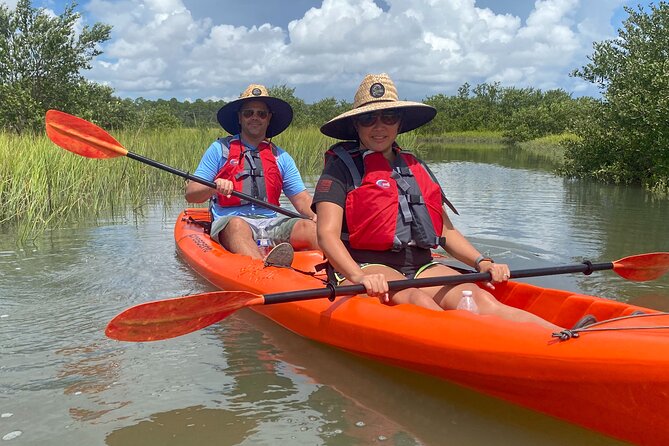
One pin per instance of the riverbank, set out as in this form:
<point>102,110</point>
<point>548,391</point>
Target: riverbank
<point>551,147</point>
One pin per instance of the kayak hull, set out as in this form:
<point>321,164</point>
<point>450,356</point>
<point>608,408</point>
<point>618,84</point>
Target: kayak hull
<point>615,381</point>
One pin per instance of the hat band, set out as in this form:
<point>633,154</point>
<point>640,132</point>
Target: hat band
<point>374,102</point>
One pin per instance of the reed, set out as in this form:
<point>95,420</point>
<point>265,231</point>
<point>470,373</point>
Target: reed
<point>307,146</point>
<point>471,139</point>
<point>42,185</point>
<point>549,148</point>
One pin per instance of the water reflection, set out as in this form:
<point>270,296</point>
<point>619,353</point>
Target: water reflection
<point>501,156</point>
<point>246,381</point>
<point>195,425</point>
<point>374,401</point>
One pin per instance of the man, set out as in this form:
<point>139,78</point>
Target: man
<point>249,163</point>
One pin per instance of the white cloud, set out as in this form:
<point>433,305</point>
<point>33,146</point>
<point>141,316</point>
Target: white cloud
<point>158,49</point>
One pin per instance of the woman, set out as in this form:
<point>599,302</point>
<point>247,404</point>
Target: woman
<point>380,210</point>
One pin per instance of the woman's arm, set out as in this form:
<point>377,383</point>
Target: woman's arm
<point>460,248</point>
<point>329,225</point>
<point>456,243</point>
<point>328,228</point>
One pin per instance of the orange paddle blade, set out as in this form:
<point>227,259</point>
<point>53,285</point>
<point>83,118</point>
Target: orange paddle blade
<point>169,318</point>
<point>642,267</point>
<point>81,137</point>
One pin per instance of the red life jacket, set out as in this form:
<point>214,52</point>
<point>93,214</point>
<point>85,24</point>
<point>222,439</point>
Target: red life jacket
<point>253,172</point>
<point>391,207</point>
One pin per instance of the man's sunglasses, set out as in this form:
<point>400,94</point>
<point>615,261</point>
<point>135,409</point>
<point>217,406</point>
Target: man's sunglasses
<point>262,114</point>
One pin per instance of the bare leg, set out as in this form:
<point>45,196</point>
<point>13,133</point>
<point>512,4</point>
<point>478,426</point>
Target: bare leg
<point>413,296</point>
<point>447,297</point>
<point>237,237</point>
<point>303,235</point>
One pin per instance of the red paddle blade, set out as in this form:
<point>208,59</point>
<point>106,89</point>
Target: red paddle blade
<point>81,137</point>
<point>643,267</point>
<point>169,318</point>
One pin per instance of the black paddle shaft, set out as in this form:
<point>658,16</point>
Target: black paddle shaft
<point>396,285</point>
<point>211,184</point>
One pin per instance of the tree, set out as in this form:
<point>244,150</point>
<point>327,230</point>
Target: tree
<point>549,113</point>
<point>288,94</point>
<point>41,59</point>
<point>322,111</point>
<point>627,138</point>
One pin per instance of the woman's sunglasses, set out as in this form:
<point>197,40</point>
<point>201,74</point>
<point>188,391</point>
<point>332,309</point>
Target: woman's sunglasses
<point>262,114</point>
<point>388,117</point>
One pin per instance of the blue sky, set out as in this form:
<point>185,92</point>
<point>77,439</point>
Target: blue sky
<point>192,49</point>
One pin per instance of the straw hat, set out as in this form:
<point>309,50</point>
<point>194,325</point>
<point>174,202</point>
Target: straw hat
<point>282,112</point>
<point>378,92</point>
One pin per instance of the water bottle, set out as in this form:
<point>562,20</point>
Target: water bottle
<point>264,242</point>
<point>467,302</point>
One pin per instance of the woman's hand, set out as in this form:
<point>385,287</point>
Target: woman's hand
<point>375,284</point>
<point>500,272</point>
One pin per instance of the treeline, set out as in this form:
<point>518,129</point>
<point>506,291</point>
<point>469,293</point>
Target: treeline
<point>520,113</point>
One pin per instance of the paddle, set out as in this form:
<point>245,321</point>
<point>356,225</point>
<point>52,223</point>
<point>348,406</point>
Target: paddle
<point>169,318</point>
<point>87,139</point>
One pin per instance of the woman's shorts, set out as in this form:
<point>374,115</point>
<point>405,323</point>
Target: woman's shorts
<point>278,228</point>
<point>410,274</point>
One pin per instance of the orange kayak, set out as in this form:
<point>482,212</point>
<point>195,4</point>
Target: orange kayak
<point>613,378</point>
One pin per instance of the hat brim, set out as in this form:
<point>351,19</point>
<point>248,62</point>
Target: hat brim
<point>282,115</point>
<point>414,115</point>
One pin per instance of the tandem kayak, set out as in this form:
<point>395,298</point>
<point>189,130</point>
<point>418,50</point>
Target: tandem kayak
<point>612,378</point>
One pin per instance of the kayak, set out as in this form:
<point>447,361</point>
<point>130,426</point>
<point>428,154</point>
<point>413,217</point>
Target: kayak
<point>612,378</point>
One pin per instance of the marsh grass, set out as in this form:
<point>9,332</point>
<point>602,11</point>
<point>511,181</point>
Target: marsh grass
<point>43,185</point>
<point>549,148</point>
<point>472,139</point>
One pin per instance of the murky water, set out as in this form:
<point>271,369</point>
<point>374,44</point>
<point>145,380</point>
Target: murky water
<point>247,381</point>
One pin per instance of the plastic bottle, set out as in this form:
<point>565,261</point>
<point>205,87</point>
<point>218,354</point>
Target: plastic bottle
<point>264,242</point>
<point>467,302</point>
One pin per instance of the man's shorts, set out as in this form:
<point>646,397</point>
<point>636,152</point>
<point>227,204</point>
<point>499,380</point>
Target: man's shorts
<point>278,228</point>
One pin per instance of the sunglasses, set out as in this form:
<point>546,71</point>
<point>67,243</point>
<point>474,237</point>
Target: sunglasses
<point>388,117</point>
<point>262,114</point>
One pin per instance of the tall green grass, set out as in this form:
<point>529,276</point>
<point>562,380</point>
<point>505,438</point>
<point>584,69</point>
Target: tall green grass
<point>43,185</point>
<point>549,148</point>
<point>470,138</point>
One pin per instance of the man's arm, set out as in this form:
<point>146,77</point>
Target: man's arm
<point>207,169</point>
<point>302,203</point>
<point>198,193</point>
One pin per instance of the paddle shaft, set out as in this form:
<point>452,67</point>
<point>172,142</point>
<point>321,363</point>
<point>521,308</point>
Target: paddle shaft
<point>211,184</point>
<point>396,285</point>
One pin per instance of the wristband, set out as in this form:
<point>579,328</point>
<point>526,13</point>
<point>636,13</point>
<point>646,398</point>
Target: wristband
<point>480,259</point>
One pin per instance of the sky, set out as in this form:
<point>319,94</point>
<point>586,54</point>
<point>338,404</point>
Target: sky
<point>213,49</point>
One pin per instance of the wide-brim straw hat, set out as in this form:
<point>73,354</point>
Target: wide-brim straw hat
<point>378,92</point>
<point>282,112</point>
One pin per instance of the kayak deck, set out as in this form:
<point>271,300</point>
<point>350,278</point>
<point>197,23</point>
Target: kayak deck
<point>614,381</point>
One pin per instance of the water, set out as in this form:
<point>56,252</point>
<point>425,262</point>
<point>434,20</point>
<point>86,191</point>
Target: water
<point>247,381</point>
